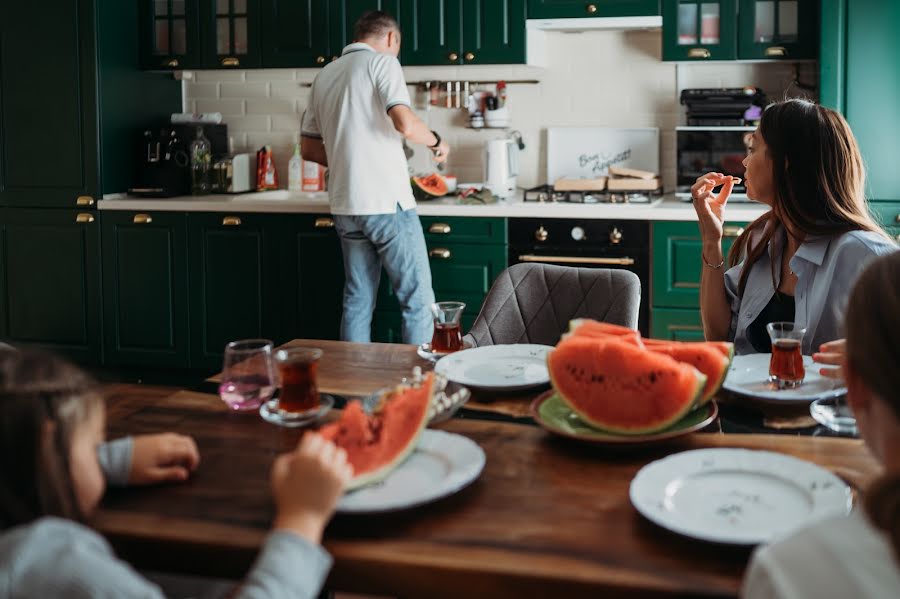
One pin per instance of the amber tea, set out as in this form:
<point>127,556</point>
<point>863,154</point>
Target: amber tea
<point>447,338</point>
<point>297,368</point>
<point>786,369</point>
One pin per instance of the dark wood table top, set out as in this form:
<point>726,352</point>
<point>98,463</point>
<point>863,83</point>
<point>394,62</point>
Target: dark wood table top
<point>547,517</point>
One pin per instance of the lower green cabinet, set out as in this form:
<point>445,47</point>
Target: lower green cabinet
<point>234,290</point>
<point>145,289</point>
<point>314,283</point>
<point>676,324</point>
<point>50,278</point>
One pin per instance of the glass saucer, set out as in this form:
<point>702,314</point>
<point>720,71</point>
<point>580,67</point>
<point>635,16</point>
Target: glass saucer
<point>270,413</point>
<point>834,414</point>
<point>424,351</point>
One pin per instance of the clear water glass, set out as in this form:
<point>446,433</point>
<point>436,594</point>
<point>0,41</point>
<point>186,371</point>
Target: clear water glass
<point>248,374</point>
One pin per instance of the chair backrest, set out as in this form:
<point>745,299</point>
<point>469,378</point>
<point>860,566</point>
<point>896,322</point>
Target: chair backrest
<point>533,303</point>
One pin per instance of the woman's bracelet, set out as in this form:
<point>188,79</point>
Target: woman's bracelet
<point>713,266</point>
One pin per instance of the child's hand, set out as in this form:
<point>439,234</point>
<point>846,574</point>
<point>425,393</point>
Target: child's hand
<point>162,458</point>
<point>833,353</point>
<point>307,483</point>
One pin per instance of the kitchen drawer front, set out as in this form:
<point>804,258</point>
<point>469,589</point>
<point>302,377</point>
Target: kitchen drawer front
<point>676,324</point>
<point>886,213</point>
<point>677,262</point>
<point>387,326</point>
<point>456,229</point>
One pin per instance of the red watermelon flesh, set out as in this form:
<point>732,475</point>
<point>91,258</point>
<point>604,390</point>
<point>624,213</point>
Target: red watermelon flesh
<point>703,356</point>
<point>726,348</point>
<point>614,385</point>
<point>586,327</point>
<point>379,442</point>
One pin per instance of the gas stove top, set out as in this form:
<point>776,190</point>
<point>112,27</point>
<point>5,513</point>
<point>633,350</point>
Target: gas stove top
<point>547,194</point>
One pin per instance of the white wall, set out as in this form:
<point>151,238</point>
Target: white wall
<point>604,78</point>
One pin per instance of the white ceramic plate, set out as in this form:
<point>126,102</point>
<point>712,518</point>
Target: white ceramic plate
<point>498,367</point>
<point>442,464</point>
<point>749,375</point>
<point>736,496</point>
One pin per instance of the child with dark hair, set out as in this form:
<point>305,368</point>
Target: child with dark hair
<point>858,555</point>
<point>54,465</point>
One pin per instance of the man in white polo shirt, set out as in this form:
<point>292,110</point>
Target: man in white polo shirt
<point>358,115</point>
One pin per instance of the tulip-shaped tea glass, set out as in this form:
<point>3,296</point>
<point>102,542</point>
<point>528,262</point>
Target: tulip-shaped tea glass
<point>248,375</point>
<point>786,366</point>
<point>447,336</point>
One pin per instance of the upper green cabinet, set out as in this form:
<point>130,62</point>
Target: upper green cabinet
<point>431,32</point>
<point>493,31</point>
<point>778,29</point>
<point>700,30</point>
<point>234,34</point>
<point>295,33</point>
<point>554,9</point>
<point>740,29</point>
<point>170,34</point>
<point>345,13</point>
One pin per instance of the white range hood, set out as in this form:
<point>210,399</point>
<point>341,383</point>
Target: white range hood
<point>536,31</point>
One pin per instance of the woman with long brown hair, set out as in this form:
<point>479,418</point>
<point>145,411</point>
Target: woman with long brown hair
<point>798,261</point>
<point>859,555</point>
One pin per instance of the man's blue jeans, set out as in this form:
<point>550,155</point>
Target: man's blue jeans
<point>396,242</point>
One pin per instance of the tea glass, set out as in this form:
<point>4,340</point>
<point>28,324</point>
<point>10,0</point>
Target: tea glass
<point>786,369</point>
<point>447,337</point>
<point>248,374</point>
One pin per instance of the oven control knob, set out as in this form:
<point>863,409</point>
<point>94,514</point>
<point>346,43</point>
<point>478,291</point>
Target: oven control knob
<point>615,236</point>
<point>577,233</point>
<point>541,234</point>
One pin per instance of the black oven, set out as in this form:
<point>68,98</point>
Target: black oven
<point>586,243</point>
<point>702,150</point>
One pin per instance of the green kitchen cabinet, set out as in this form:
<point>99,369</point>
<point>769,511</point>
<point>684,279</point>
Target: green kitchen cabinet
<point>313,283</point>
<point>555,9</point>
<point>432,32</point>
<point>677,262</point>
<point>888,216</point>
<point>295,33</point>
<point>493,32</point>
<point>233,270</point>
<point>170,34</point>
<point>50,281</point>
<point>858,77</point>
<point>345,13</point>
<point>232,34</point>
<point>676,324</point>
<point>700,30</point>
<point>145,289</point>
<point>787,29</point>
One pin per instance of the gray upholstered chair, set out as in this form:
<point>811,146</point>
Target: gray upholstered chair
<point>533,303</point>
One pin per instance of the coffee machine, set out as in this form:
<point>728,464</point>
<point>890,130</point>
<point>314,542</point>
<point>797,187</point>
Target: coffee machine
<point>164,158</point>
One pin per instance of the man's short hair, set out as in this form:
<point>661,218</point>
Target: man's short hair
<point>376,24</point>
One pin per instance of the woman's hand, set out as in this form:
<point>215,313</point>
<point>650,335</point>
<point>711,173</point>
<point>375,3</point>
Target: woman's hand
<point>833,353</point>
<point>711,209</point>
<point>307,483</point>
<point>166,457</point>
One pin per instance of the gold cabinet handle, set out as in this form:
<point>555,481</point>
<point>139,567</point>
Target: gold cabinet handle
<point>142,219</point>
<point>591,8</point>
<point>699,53</point>
<point>776,51</point>
<point>439,229</point>
<point>320,60</point>
<point>324,223</point>
<point>231,221</point>
<point>442,253</point>
<point>84,218</point>
<point>453,56</point>
<point>469,56</point>
<point>577,260</point>
<point>541,234</point>
<point>231,61</point>
<point>84,201</point>
<point>732,231</point>
<point>171,63</point>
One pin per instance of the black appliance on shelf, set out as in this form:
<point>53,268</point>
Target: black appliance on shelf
<point>721,107</point>
<point>547,194</point>
<point>589,243</point>
<point>164,160</point>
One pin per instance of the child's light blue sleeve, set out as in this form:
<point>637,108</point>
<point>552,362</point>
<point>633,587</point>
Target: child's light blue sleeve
<point>115,460</point>
<point>287,566</point>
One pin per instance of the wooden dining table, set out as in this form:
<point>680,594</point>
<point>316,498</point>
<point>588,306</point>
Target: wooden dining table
<point>548,517</point>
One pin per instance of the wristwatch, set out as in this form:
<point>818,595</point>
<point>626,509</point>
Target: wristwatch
<point>437,143</point>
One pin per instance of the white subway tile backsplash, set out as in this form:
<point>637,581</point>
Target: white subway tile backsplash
<point>285,122</point>
<point>201,90</point>
<point>256,89</point>
<point>257,123</point>
<point>217,76</point>
<point>231,107</point>
<point>289,89</point>
<point>271,75</point>
<point>271,106</point>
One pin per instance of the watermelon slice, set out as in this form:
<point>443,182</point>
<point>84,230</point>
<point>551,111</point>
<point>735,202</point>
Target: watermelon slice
<point>379,442</point>
<point>705,357</point>
<point>586,327</point>
<point>616,386</point>
<point>726,348</point>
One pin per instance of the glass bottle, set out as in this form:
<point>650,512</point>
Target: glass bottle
<point>201,157</point>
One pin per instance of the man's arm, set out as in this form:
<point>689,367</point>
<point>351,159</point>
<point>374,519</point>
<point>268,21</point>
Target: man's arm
<point>313,149</point>
<point>415,130</point>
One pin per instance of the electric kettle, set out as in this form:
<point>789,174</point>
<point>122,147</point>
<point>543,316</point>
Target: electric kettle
<point>501,166</point>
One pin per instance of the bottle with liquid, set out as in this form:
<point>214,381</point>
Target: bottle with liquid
<point>295,170</point>
<point>201,157</point>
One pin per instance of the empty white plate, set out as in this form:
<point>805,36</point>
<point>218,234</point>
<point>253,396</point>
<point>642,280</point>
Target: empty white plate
<point>498,367</point>
<point>736,496</point>
<point>749,375</point>
<point>442,464</point>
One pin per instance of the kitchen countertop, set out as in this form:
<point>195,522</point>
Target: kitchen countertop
<point>282,201</point>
